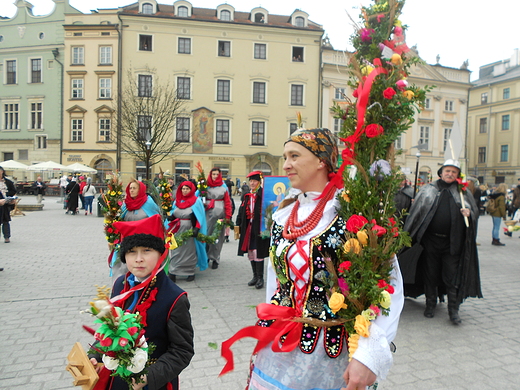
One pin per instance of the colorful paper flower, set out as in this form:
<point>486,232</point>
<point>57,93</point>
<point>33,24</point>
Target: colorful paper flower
<point>337,302</point>
<point>389,93</point>
<point>374,130</point>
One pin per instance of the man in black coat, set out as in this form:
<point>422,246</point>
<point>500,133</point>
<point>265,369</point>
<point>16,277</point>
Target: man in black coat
<point>7,188</point>
<point>249,221</point>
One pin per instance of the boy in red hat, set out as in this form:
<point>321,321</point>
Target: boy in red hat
<point>163,306</point>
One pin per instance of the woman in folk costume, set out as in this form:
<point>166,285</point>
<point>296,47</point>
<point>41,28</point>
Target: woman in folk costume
<point>138,205</point>
<point>249,221</point>
<point>306,232</point>
<point>187,214</point>
<point>163,306</point>
<point>218,206</point>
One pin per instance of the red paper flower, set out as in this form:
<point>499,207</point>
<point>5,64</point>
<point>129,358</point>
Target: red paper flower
<point>374,130</point>
<point>345,266</point>
<point>132,330</point>
<point>389,93</point>
<point>123,342</point>
<point>106,342</point>
<point>390,289</point>
<point>378,229</point>
<point>381,283</point>
<point>355,223</point>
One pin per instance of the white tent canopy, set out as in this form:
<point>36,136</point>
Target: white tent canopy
<point>47,166</point>
<point>77,167</point>
<point>11,164</point>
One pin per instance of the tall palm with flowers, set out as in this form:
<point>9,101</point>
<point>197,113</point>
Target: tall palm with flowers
<point>113,200</point>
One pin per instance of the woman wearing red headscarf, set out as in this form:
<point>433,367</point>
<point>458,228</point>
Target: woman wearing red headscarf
<point>138,205</point>
<point>187,213</point>
<point>218,206</point>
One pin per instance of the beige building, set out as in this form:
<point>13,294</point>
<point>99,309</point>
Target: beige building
<point>432,126</point>
<point>90,80</point>
<point>243,76</point>
<point>493,142</point>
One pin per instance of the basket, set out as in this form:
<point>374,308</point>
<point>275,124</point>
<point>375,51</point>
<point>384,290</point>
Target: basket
<point>510,223</point>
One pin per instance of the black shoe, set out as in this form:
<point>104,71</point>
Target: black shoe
<point>454,317</point>
<point>497,242</point>
<point>227,238</point>
<point>7,240</point>
<point>429,312</point>
<point>191,278</point>
<point>172,277</point>
<point>509,234</point>
<point>214,265</point>
<point>253,281</point>
<point>259,284</point>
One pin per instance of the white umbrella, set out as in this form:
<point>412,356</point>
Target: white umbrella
<point>77,167</point>
<point>47,166</point>
<point>11,164</point>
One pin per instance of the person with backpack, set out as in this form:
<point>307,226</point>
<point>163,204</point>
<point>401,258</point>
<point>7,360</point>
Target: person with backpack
<point>497,209</point>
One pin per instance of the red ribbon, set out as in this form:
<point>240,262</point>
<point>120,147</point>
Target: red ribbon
<point>284,325</point>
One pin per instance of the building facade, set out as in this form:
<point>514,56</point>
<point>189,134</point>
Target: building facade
<point>31,90</point>
<point>494,123</point>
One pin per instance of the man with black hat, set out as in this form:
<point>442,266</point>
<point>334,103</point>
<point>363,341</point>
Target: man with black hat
<point>443,221</point>
<point>249,221</point>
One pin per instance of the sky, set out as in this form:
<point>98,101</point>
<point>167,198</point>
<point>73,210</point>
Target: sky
<point>457,30</point>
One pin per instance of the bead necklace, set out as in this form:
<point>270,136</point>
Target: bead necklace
<point>308,223</point>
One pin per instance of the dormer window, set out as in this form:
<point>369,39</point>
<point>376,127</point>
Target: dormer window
<point>225,15</point>
<point>182,12</point>
<point>259,18</point>
<point>147,9</point>
<point>299,21</point>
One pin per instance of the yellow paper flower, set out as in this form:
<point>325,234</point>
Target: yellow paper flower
<point>396,59</point>
<point>345,196</point>
<point>353,340</point>
<point>362,237</point>
<point>113,193</point>
<point>366,70</point>
<point>352,245</point>
<point>361,326</point>
<point>337,302</point>
<point>408,94</point>
<point>369,314</point>
<point>385,299</point>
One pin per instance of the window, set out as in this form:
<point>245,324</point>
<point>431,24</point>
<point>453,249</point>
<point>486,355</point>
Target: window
<point>144,87</point>
<point>340,94</point>
<point>483,98</point>
<point>182,12</point>
<point>40,142</point>
<point>147,9</point>
<point>181,169</point>
<point>424,135</point>
<point>145,42</point>
<point>292,128</point>
<point>483,125</point>
<point>140,170</point>
<point>23,154</point>
<point>36,115</point>
<point>183,130</point>
<point>105,88</point>
<point>506,93</point>
<point>260,51</point>
<point>77,130</point>
<point>505,122</point>
<point>105,55</point>
<point>398,144</point>
<point>259,18</point>
<point>11,71</point>
<point>222,131</point>
<point>183,87</point>
<point>482,155</point>
<point>11,116</point>
<point>78,56</point>
<point>184,46</point>
<point>77,88</point>
<point>448,105</point>
<point>258,92</point>
<point>104,129</point>
<point>258,136</point>
<point>338,125</point>
<point>299,21</point>
<point>296,95</point>
<point>41,35</point>
<point>427,103</point>
<point>36,70</point>
<point>225,15</point>
<point>223,89</point>
<point>297,54</point>
<point>447,133</point>
<point>224,169</point>
<point>144,127</point>
<point>8,156</point>
<point>504,153</point>
<point>224,49</point>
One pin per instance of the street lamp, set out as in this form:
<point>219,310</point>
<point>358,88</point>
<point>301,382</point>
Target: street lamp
<point>148,145</point>
<point>418,155</point>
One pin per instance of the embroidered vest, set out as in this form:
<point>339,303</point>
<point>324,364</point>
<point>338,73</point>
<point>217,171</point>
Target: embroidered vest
<point>314,302</point>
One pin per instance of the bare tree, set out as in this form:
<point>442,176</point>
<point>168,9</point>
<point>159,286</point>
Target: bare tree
<point>147,119</point>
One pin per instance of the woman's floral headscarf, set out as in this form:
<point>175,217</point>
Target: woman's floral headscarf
<point>320,142</point>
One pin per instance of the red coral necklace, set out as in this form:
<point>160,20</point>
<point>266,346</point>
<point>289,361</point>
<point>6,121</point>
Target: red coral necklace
<point>298,229</point>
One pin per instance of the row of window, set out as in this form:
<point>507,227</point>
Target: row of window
<point>104,88</point>
<point>506,94</point>
<point>11,117</point>
<point>505,123</point>
<point>40,142</point>
<point>35,71</point>
<point>78,55</point>
<point>504,154</point>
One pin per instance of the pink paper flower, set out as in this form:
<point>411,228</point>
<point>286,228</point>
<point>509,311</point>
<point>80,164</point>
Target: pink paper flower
<point>366,34</point>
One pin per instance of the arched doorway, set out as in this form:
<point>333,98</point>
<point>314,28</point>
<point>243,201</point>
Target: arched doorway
<point>264,167</point>
<point>104,167</point>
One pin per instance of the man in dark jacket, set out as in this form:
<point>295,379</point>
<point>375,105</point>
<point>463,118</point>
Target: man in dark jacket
<point>39,188</point>
<point>445,226</point>
<point>7,189</point>
<point>249,221</point>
